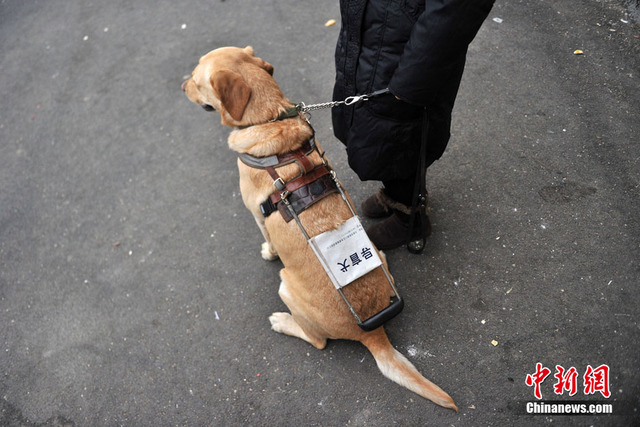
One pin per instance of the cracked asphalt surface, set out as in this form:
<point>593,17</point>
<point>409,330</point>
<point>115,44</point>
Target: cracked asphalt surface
<point>132,291</point>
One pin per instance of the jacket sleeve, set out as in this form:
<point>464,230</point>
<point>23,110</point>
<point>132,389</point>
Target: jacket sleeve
<point>438,42</point>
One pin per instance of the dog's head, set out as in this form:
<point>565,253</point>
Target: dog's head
<point>237,84</point>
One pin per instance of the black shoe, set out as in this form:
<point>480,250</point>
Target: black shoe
<point>393,232</point>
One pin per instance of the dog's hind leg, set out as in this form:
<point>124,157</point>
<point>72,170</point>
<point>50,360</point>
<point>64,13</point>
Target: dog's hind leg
<point>286,324</point>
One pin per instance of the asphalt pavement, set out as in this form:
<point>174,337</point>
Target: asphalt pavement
<point>132,291</point>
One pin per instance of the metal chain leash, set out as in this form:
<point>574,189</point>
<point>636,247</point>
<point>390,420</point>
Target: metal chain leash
<point>350,100</point>
<point>313,107</point>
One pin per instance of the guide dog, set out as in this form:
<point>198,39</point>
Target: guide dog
<point>240,87</point>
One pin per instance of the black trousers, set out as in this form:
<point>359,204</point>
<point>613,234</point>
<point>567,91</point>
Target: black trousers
<point>438,114</point>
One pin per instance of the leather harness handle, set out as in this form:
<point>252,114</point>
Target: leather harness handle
<point>383,316</point>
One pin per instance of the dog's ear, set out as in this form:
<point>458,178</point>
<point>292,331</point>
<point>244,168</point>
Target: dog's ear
<point>261,63</point>
<point>266,66</point>
<point>233,92</point>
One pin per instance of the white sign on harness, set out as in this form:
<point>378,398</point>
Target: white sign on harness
<point>345,253</point>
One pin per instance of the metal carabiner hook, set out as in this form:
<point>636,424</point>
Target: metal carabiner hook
<point>354,99</point>
<point>351,100</point>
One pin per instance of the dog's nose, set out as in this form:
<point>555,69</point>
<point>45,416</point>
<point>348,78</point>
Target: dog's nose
<point>184,84</point>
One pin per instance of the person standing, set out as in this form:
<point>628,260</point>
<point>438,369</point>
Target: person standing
<point>416,49</point>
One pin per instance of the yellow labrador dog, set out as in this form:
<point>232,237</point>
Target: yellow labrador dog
<point>240,87</point>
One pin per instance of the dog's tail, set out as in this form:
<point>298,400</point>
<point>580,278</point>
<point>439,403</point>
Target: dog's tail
<point>398,369</point>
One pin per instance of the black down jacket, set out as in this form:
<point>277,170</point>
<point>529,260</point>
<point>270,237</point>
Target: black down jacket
<point>417,49</point>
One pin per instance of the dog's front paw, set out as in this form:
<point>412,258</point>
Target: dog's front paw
<point>268,252</point>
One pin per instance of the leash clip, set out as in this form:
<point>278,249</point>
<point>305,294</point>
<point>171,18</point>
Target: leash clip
<point>350,100</point>
<point>284,196</point>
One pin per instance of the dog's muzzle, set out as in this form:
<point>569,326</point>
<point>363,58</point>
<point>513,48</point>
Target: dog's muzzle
<point>206,107</point>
